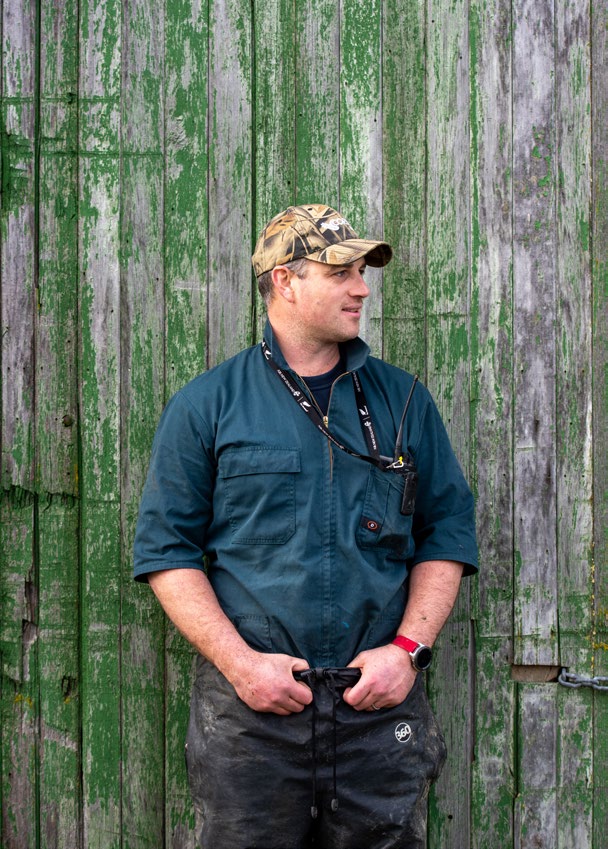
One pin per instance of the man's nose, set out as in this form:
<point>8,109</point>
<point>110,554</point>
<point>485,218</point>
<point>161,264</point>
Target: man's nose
<point>360,287</point>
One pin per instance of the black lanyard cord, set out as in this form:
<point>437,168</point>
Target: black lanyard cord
<point>313,414</point>
<point>401,465</point>
<point>365,419</point>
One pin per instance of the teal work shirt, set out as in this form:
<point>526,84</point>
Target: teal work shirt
<point>305,546</point>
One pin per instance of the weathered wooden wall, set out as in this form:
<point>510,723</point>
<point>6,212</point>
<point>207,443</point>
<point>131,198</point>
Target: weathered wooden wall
<point>143,145</point>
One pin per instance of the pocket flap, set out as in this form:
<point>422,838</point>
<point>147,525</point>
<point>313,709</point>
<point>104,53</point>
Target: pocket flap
<point>256,461</point>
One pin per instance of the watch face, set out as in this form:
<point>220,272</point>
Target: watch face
<point>423,657</point>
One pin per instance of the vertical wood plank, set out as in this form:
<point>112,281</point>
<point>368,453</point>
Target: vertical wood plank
<point>142,394</point>
<point>574,419</point>
<point>19,686</point>
<point>534,332</point>
<point>18,572</point>
<point>492,443</point>
<point>185,259</point>
<point>56,430</point>
<point>317,96</point>
<point>448,364</point>
<point>537,734</point>
<point>493,762</point>
<point>99,354</point>
<point>404,177</point>
<point>575,775</point>
<point>19,110</point>
<point>361,141</point>
<point>599,268</point>
<point>274,118</point>
<point>230,182</point>
<point>491,232</point>
<point>185,205</point>
<point>448,295</point>
<point>59,764</point>
<point>574,362</point>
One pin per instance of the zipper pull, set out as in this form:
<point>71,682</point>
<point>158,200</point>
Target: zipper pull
<point>326,421</point>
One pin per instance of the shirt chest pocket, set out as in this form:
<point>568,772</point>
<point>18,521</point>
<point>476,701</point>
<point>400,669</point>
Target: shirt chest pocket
<point>259,493</point>
<point>382,525</point>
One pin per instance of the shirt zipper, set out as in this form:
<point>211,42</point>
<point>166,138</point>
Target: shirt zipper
<point>326,423</point>
<point>325,417</point>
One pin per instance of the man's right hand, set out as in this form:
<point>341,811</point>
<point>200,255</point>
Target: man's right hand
<point>265,683</point>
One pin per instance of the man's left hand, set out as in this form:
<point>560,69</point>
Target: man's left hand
<point>387,676</point>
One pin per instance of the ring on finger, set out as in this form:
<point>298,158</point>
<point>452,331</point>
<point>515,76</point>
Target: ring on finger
<point>375,707</point>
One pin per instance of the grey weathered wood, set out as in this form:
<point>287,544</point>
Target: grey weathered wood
<point>56,408</point>
<point>599,142</point>
<point>492,270</point>
<point>404,183</point>
<point>317,98</point>
<point>361,160</point>
<point>229,225</point>
<point>574,417</point>
<point>448,373</point>
<point>274,125</point>
<point>99,399</point>
<point>534,268</point>
<point>573,349</point>
<point>18,242</point>
<point>492,464</point>
<point>142,363</point>
<point>536,803</point>
<point>474,135</point>
<point>185,270</point>
<point>18,626</point>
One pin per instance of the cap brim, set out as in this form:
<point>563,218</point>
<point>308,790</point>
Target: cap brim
<point>376,254</point>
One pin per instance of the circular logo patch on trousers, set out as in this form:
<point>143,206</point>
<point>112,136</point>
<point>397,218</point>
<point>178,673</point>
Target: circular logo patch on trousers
<point>403,732</point>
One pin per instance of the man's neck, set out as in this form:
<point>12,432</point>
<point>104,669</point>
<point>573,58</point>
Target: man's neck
<point>307,357</point>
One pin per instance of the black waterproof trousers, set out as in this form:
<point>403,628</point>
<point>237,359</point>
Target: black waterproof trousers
<point>330,777</point>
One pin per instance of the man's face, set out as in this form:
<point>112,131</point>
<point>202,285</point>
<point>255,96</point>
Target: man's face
<point>328,300</point>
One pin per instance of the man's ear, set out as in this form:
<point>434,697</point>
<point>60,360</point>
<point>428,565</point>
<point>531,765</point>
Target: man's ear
<point>281,281</point>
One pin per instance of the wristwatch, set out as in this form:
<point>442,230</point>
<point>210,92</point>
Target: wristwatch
<point>421,655</point>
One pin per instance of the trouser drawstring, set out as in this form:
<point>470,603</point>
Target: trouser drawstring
<point>336,680</point>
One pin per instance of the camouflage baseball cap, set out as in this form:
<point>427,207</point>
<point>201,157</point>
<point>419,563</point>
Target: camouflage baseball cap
<point>317,232</point>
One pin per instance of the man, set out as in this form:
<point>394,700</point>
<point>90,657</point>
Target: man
<point>292,469</point>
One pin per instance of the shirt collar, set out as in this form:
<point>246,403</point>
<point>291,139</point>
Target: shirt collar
<point>355,352</point>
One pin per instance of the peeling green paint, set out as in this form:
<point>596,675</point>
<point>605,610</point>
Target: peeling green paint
<point>371,105</point>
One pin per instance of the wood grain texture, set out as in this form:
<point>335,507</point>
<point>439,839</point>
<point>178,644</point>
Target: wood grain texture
<point>185,278</point>
<point>18,241</point>
<point>230,180</point>
<point>19,700</point>
<point>317,98</point>
<point>494,775</point>
<point>492,272</point>
<point>56,405</point>
<point>490,40</point>
<point>573,349</point>
<point>99,402</point>
<point>534,337</point>
<point>448,304</point>
<point>574,419</point>
<point>142,365</point>
<point>274,122</point>
<point>536,802</point>
<point>404,183</point>
<point>19,695</point>
<point>599,269</point>
<point>361,161</point>
<point>143,147</point>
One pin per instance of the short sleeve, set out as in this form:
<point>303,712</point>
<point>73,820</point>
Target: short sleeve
<point>175,507</point>
<point>444,518</point>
